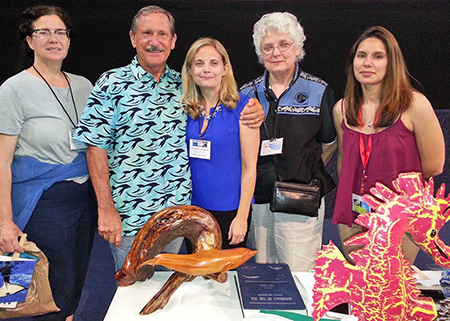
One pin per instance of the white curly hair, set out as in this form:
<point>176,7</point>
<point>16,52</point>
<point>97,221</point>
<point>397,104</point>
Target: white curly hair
<point>283,22</point>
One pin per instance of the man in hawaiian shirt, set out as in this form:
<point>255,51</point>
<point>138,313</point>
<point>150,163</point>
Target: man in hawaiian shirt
<point>135,131</point>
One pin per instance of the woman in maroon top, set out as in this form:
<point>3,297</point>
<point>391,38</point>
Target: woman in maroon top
<point>385,127</point>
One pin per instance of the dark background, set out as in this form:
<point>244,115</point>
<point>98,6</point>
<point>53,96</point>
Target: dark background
<point>101,40</point>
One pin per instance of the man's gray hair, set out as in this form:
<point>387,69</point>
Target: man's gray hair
<point>148,10</point>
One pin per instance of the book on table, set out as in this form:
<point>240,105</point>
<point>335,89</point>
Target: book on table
<point>268,287</point>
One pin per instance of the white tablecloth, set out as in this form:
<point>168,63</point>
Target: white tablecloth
<point>199,300</point>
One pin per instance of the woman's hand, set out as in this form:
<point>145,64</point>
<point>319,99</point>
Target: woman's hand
<point>9,237</point>
<point>238,229</point>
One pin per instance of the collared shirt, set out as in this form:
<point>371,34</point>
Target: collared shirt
<point>141,124</point>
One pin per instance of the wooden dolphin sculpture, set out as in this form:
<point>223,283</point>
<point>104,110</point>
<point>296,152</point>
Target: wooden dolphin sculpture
<point>193,223</point>
<point>204,262</point>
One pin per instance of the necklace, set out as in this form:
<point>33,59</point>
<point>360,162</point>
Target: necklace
<point>217,108</point>
<point>60,103</point>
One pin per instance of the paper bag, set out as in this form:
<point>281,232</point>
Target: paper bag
<point>39,299</point>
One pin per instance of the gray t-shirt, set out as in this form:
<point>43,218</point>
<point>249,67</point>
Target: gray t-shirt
<point>29,109</point>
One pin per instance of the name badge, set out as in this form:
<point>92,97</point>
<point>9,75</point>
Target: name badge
<point>199,148</point>
<point>358,205</point>
<point>75,145</point>
<point>272,146</point>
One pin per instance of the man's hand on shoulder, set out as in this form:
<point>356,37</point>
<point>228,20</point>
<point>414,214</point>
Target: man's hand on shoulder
<point>253,114</point>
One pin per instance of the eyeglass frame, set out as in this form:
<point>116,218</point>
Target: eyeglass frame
<point>270,52</point>
<point>50,32</point>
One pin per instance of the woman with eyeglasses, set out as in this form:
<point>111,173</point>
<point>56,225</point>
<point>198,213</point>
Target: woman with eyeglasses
<point>299,126</point>
<point>44,184</point>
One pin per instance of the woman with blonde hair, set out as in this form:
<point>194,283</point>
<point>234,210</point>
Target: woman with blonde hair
<point>385,127</point>
<point>222,151</point>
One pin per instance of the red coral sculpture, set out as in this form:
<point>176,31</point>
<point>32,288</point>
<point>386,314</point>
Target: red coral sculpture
<point>380,286</point>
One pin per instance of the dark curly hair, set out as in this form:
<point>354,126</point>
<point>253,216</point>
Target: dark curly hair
<point>29,16</point>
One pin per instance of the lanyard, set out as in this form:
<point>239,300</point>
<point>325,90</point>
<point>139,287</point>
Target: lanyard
<point>273,105</point>
<point>60,103</point>
<point>208,119</point>
<point>363,151</point>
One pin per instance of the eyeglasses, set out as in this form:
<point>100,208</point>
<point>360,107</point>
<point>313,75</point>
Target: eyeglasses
<point>46,33</point>
<point>282,46</point>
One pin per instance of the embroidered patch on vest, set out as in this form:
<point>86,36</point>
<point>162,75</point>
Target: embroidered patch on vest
<point>301,97</point>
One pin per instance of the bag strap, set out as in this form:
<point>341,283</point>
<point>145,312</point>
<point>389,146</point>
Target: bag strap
<point>274,160</point>
<point>255,89</point>
<point>22,241</point>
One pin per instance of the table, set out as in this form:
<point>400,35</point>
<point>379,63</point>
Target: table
<point>197,300</point>
<point>211,301</point>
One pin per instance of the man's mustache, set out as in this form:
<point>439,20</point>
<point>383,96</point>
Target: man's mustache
<point>154,49</point>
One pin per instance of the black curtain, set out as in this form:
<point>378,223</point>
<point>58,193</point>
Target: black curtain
<point>101,39</point>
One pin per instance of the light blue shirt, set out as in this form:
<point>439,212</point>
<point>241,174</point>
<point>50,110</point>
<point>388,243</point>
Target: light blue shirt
<point>29,109</point>
<point>141,124</point>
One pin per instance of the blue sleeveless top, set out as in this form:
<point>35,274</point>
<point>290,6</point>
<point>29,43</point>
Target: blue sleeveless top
<point>216,183</point>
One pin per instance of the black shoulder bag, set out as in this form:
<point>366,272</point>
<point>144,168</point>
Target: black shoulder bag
<point>296,198</point>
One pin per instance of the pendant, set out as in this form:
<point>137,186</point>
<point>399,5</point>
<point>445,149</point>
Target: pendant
<point>363,182</point>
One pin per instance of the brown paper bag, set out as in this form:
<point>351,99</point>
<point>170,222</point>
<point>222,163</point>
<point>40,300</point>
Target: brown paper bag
<point>39,299</point>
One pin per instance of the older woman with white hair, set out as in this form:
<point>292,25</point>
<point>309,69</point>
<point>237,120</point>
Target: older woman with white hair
<point>299,126</point>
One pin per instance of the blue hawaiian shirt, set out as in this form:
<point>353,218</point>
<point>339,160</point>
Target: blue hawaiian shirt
<point>141,124</point>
